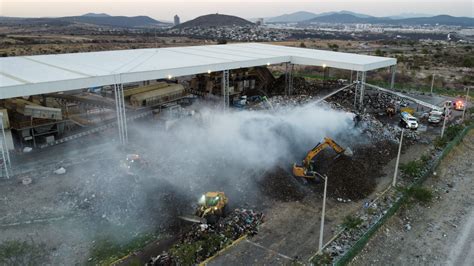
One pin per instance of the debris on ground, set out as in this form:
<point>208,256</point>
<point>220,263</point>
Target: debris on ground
<point>26,181</point>
<point>279,184</point>
<point>348,179</point>
<point>204,240</point>
<point>60,171</point>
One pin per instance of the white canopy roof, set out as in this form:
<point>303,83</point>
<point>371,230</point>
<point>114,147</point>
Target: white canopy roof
<point>31,75</point>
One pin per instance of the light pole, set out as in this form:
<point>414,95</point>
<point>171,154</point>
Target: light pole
<point>398,159</point>
<point>322,214</point>
<point>447,113</point>
<point>465,104</point>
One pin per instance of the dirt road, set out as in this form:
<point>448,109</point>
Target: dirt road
<point>440,233</point>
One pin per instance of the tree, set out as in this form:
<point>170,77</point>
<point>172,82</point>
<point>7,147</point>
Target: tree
<point>302,45</point>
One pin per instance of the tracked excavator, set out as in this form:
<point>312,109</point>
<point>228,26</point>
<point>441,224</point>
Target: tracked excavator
<point>306,169</point>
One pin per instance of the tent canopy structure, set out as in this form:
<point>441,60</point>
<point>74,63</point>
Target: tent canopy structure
<point>32,75</point>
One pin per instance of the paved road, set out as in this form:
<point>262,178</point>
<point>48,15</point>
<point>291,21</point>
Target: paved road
<point>462,252</point>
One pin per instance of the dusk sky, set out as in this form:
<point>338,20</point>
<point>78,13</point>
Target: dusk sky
<point>166,9</point>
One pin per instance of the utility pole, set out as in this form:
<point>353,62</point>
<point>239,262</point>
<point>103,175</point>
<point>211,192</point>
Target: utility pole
<point>398,159</point>
<point>447,113</point>
<point>432,83</point>
<point>465,104</point>
<point>322,214</point>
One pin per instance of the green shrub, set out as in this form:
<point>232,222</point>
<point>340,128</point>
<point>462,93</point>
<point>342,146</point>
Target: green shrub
<point>351,222</point>
<point>452,131</point>
<point>420,194</point>
<point>322,259</point>
<point>425,158</point>
<point>440,142</point>
<point>449,134</point>
<point>412,169</point>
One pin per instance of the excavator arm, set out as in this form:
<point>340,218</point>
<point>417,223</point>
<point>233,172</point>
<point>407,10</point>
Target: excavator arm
<point>328,142</point>
<point>302,171</point>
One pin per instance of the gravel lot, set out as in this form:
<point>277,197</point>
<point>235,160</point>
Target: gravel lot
<point>440,233</point>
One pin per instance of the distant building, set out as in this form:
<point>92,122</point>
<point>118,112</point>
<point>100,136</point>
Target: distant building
<point>260,22</point>
<point>176,20</point>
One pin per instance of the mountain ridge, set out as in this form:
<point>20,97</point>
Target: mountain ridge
<point>212,20</point>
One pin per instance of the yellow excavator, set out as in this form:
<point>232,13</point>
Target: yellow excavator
<point>306,169</point>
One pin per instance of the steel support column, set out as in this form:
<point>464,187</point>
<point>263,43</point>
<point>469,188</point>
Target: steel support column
<point>356,88</point>
<point>289,78</point>
<point>121,113</point>
<point>362,89</point>
<point>124,115</point>
<point>393,70</point>
<point>225,88</point>
<point>6,163</point>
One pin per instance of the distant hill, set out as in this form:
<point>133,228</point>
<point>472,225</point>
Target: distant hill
<point>213,20</point>
<point>33,21</point>
<point>349,19</point>
<point>115,21</point>
<point>90,18</point>
<point>304,15</point>
<point>441,19</point>
<point>342,18</point>
<point>293,17</point>
<point>97,15</point>
<point>410,15</point>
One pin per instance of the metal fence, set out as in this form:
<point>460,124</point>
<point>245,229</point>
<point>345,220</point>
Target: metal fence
<point>360,244</point>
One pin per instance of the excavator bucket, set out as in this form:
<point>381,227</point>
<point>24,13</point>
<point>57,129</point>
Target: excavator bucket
<point>193,219</point>
<point>348,152</point>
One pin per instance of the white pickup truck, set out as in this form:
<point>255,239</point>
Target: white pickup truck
<point>409,121</point>
<point>435,116</point>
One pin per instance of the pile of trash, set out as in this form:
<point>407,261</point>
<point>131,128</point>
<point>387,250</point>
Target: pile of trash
<point>280,101</point>
<point>379,102</point>
<point>240,222</point>
<point>205,240</point>
<point>381,131</point>
<point>300,86</point>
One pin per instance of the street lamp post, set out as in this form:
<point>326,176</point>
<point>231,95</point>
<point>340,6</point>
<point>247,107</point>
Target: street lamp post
<point>447,111</point>
<point>465,104</point>
<point>394,182</point>
<point>322,214</point>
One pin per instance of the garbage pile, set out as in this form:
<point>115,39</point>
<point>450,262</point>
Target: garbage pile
<point>240,222</point>
<point>205,240</point>
<point>280,101</point>
<point>300,86</point>
<point>349,179</point>
<point>279,184</point>
<point>380,101</point>
<point>354,177</point>
<point>379,131</point>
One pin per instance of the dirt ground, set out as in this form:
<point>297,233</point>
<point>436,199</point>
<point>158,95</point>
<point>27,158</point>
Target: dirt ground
<point>439,233</point>
<point>291,229</point>
<point>95,199</point>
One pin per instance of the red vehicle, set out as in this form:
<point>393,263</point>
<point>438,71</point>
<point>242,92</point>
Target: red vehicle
<point>459,105</point>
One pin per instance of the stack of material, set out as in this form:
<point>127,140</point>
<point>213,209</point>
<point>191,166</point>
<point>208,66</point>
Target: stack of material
<point>240,222</point>
<point>204,240</point>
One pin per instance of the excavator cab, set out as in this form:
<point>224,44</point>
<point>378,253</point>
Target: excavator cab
<point>306,169</point>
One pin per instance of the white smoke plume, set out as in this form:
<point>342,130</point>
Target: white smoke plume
<point>223,147</point>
